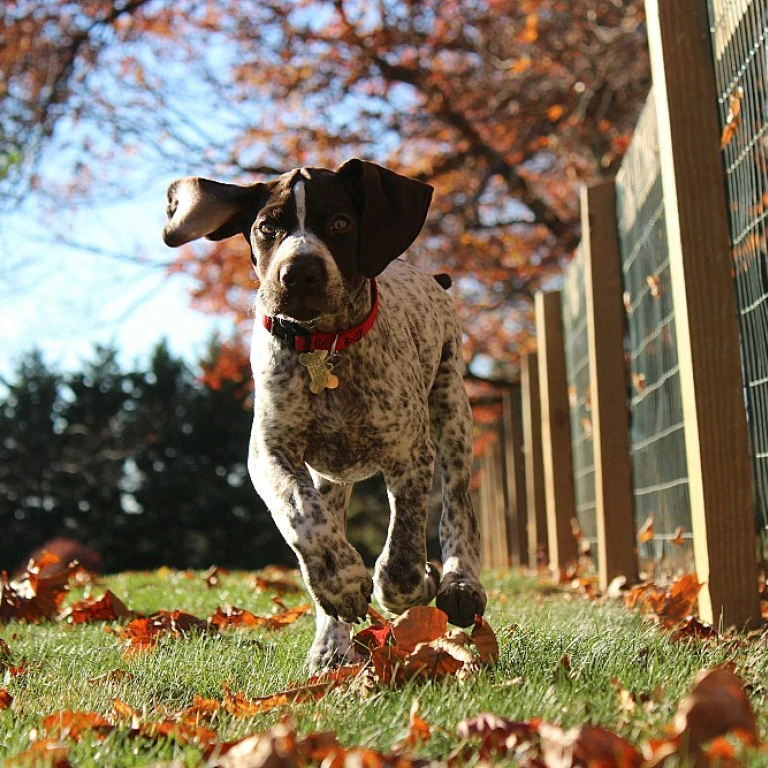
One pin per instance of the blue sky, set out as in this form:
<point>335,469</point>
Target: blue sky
<point>64,299</point>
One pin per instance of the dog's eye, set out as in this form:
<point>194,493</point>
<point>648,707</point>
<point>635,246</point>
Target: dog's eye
<point>267,228</point>
<point>340,224</point>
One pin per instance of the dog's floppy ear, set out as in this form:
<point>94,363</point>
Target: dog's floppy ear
<point>393,211</point>
<point>204,208</point>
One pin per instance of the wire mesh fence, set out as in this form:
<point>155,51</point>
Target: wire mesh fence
<point>739,31</point>
<point>662,507</point>
<point>579,399</point>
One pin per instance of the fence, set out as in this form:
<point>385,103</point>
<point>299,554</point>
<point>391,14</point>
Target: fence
<point>652,370</point>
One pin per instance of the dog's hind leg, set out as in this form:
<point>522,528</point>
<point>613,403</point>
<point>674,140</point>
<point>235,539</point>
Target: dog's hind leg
<point>461,595</point>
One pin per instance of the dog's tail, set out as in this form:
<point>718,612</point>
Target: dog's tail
<point>444,280</point>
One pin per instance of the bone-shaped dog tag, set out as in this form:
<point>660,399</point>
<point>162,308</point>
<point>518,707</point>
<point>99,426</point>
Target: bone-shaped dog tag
<point>320,371</point>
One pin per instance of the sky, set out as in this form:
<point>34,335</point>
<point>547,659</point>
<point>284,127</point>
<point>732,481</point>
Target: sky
<point>64,300</point>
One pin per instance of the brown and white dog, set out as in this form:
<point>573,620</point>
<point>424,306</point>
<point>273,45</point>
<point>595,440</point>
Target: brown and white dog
<point>357,366</point>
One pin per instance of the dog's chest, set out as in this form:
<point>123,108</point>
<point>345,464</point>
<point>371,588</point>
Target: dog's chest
<point>371,420</point>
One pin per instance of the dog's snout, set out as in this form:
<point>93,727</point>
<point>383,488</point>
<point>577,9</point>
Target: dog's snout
<point>302,272</point>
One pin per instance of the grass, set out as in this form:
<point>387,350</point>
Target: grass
<point>562,659</point>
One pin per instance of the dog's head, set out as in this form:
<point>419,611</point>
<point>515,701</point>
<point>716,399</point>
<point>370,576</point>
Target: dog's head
<point>315,234</point>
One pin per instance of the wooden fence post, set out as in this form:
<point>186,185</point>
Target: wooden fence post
<point>555,431</point>
<point>514,458</point>
<point>534,464</point>
<point>484,516</point>
<point>500,552</point>
<point>617,548</point>
<point>716,439</point>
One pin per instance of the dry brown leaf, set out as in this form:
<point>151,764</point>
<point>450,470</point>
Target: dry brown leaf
<point>281,586</point>
<point>494,737</point>
<point>38,593</point>
<point>717,705</point>
<point>113,676</point>
<point>587,745</point>
<point>108,607</point>
<point>638,381</point>
<point>222,618</point>
<point>68,724</point>
<point>6,700</point>
<point>143,633</point>
<point>50,753</point>
<point>420,624</point>
<point>236,703</point>
<point>485,641</point>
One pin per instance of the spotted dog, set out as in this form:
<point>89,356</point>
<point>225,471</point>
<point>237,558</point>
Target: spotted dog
<point>357,368</point>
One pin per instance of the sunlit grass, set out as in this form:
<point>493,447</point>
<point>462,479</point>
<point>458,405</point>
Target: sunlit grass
<point>563,659</point>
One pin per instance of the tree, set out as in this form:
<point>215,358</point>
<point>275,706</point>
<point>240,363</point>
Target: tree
<point>146,468</point>
<point>506,106</point>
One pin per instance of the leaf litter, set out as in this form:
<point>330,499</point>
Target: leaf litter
<point>416,646</point>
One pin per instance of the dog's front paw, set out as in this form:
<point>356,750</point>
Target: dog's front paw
<point>462,597</point>
<point>342,586</point>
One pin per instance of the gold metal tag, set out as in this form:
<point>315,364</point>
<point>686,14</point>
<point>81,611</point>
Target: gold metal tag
<point>320,371</point>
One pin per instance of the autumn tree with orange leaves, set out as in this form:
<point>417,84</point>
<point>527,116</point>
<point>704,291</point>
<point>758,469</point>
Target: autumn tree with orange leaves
<point>505,106</point>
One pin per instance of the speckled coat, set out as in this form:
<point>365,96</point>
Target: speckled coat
<point>318,237</point>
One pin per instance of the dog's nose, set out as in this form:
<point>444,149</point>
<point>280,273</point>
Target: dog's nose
<point>302,272</point>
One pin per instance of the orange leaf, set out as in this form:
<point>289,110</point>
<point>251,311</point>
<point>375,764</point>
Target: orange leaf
<point>646,532</point>
<point>67,724</point>
<point>48,752</point>
<point>228,616</point>
<point>420,624</point>
<point>238,706</point>
<point>280,586</point>
<point>108,607</point>
<point>5,699</point>
<point>485,641</point>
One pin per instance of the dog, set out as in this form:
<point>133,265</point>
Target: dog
<point>357,368</point>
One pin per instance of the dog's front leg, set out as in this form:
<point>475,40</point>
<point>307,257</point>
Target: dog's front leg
<point>402,577</point>
<point>313,526</point>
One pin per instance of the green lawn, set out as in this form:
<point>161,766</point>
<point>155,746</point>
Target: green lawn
<point>563,658</point>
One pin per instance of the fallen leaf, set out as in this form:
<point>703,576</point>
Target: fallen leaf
<point>418,730</point>
<point>485,641</point>
<point>638,381</point>
<point>420,624</point>
<point>108,607</point>
<point>497,736</point>
<point>38,593</point>
<point>68,724</point>
<point>5,699</point>
<point>113,676</point>
<point>237,705</point>
<point>716,705</point>
<point>143,633</point>
<point>50,753</point>
<point>281,586</point>
<point>211,577</point>
<point>222,618</point>
<point>586,745</point>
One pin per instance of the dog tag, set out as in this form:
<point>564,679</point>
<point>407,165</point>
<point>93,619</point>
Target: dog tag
<point>320,371</point>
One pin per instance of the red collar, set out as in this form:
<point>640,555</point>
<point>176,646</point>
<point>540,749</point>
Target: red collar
<point>306,341</point>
